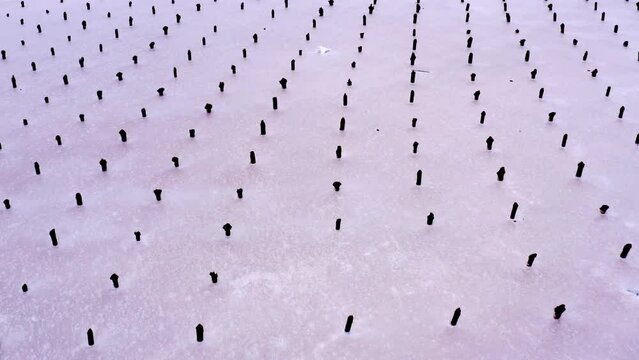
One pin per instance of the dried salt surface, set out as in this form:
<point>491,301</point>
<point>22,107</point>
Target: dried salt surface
<point>287,280</point>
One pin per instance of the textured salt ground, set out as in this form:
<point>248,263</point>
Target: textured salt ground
<point>287,279</point>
